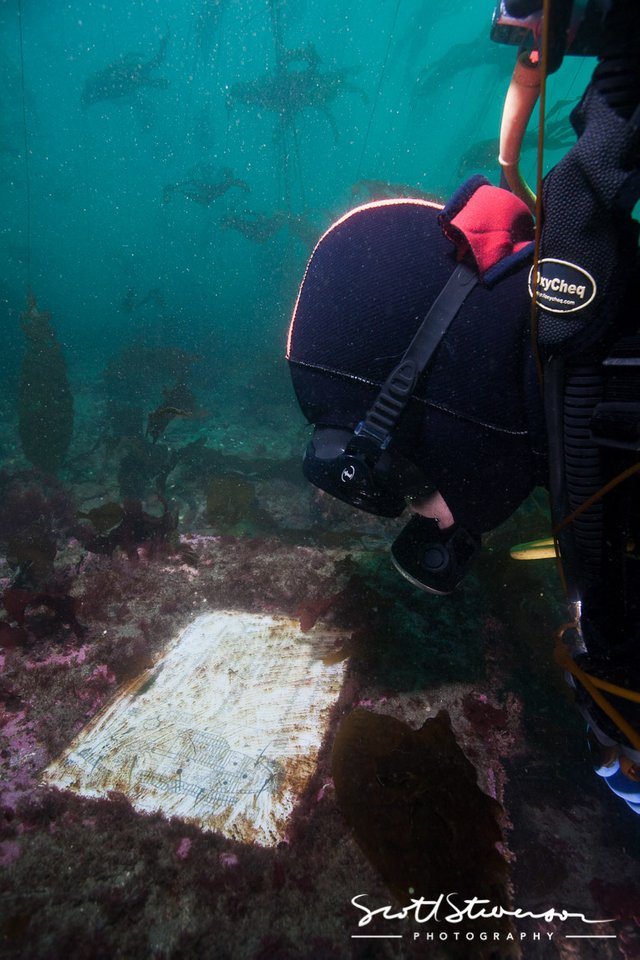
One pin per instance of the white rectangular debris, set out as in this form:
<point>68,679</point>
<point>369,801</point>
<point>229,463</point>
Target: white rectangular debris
<point>223,731</point>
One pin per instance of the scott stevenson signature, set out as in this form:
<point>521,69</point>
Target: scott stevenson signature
<point>424,911</point>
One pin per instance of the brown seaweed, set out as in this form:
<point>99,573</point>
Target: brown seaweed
<point>160,418</point>
<point>413,802</point>
<point>135,528</point>
<point>295,85</point>
<point>125,76</point>
<point>45,403</point>
<point>229,500</point>
<point>61,606</point>
<point>205,186</point>
<point>32,553</point>
<point>105,517</point>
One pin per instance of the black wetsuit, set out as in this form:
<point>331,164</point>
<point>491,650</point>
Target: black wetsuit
<point>475,426</point>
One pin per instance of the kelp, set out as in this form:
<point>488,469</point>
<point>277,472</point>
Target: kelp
<point>128,526</point>
<point>45,402</point>
<point>160,418</point>
<point>413,802</point>
<point>31,553</point>
<point>20,604</point>
<point>177,401</point>
<point>231,501</point>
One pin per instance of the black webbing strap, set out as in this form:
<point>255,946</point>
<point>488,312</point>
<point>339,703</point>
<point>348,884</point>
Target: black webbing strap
<point>395,393</point>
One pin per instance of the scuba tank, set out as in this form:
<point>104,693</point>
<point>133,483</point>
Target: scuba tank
<point>584,283</point>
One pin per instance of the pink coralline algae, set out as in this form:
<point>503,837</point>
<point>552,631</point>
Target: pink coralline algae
<point>183,848</point>
<point>130,881</point>
<point>59,659</point>
<point>492,721</point>
<point>228,860</point>
<point>24,756</point>
<point>327,787</point>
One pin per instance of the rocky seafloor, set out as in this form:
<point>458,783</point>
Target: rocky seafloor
<point>93,878</point>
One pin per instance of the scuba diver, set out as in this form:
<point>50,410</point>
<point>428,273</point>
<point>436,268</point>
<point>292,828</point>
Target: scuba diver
<point>453,358</point>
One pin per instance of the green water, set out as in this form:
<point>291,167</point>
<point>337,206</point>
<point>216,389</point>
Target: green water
<point>179,482</point>
<point>99,231</point>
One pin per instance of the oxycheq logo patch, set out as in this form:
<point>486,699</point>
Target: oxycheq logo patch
<point>562,287</point>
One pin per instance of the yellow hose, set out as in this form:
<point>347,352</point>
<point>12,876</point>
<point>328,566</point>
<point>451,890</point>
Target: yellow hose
<point>534,550</point>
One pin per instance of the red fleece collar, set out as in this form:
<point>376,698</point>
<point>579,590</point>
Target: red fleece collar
<point>492,224</point>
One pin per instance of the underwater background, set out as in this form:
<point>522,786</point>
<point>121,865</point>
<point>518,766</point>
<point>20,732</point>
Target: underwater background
<point>411,92</point>
<point>165,171</point>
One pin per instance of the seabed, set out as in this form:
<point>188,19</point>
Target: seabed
<point>131,830</point>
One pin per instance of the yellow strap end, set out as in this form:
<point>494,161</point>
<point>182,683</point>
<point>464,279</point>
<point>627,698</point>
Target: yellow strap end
<point>534,550</point>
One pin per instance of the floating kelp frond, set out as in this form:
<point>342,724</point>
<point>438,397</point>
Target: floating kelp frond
<point>135,528</point>
<point>296,84</point>
<point>413,802</point>
<point>205,186</point>
<point>104,517</point>
<point>126,76</point>
<point>159,419</point>
<point>231,500</point>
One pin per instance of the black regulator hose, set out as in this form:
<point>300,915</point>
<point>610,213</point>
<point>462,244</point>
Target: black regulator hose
<point>618,82</point>
<point>617,76</point>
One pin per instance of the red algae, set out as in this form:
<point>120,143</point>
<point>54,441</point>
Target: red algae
<point>141,885</point>
<point>621,900</point>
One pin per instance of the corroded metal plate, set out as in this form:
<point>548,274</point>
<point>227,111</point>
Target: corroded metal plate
<point>223,731</point>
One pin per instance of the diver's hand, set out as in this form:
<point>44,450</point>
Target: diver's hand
<point>434,507</point>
